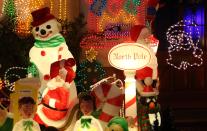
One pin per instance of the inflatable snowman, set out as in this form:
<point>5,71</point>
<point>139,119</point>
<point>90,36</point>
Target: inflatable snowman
<point>49,46</point>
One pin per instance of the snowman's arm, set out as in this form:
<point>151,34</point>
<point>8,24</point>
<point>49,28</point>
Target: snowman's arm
<point>65,53</point>
<point>32,69</point>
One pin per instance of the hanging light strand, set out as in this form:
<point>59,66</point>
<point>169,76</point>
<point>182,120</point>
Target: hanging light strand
<point>181,40</point>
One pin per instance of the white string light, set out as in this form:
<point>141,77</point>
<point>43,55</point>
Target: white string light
<point>7,75</point>
<point>180,40</point>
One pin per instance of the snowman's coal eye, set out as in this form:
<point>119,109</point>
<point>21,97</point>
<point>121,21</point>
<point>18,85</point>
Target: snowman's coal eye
<point>37,29</point>
<point>48,26</point>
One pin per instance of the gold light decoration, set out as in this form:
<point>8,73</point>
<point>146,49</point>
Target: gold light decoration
<point>1,84</point>
<point>60,9</point>
<point>91,54</point>
<point>23,11</point>
<point>51,5</point>
<point>65,10</point>
<point>122,16</point>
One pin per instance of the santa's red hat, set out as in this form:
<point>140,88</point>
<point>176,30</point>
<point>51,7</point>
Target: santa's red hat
<point>135,32</point>
<point>65,68</point>
<point>143,73</point>
<point>40,16</point>
<point>152,3</point>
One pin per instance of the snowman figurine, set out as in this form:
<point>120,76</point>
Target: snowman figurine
<point>49,46</point>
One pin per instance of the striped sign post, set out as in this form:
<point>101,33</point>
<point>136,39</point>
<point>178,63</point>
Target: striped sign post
<point>130,57</point>
<point>130,94</point>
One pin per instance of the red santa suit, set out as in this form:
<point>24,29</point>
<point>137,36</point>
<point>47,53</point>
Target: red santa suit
<point>55,106</point>
<point>140,34</point>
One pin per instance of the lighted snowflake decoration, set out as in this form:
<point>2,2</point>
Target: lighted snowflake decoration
<point>91,54</point>
<point>182,41</point>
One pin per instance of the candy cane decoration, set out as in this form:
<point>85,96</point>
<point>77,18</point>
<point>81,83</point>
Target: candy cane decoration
<point>130,94</point>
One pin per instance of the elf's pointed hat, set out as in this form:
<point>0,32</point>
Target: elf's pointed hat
<point>135,32</point>
<point>63,68</point>
<point>40,16</point>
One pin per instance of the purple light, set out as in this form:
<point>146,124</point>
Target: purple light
<point>196,16</point>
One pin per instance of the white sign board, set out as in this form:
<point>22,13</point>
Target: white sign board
<point>129,56</point>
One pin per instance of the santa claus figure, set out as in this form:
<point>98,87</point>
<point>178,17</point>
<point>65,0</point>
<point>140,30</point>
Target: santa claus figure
<point>142,35</point>
<point>49,46</point>
<point>60,97</point>
<point>147,81</point>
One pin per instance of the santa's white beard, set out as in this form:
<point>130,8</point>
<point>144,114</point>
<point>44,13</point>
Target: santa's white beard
<point>54,83</point>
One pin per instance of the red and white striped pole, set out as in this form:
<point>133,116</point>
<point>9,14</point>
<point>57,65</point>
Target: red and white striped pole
<point>130,94</point>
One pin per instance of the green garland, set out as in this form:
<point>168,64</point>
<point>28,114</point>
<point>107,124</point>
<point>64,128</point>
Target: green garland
<point>33,70</point>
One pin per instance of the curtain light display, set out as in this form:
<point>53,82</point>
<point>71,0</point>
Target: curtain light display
<point>182,41</point>
<point>24,18</point>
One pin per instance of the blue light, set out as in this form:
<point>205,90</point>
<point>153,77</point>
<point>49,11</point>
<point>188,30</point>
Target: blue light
<point>197,16</point>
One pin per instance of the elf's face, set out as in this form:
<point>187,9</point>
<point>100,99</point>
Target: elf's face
<point>114,127</point>
<point>86,107</point>
<point>27,110</point>
<point>46,30</point>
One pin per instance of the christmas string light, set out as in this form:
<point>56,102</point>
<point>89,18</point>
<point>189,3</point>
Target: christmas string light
<point>24,17</point>
<point>99,40</point>
<point>98,6</point>
<point>114,6</point>
<point>60,9</point>
<point>8,84</point>
<point>121,17</point>
<point>51,5</point>
<point>65,10</point>
<point>130,6</point>
<point>117,30</point>
<point>180,40</point>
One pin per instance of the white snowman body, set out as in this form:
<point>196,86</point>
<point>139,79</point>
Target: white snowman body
<point>43,56</point>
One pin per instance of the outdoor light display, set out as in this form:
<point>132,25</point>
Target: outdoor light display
<point>110,21</point>
<point>24,17</point>
<point>182,41</point>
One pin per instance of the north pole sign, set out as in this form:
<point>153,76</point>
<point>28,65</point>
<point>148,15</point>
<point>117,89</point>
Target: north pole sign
<point>129,56</point>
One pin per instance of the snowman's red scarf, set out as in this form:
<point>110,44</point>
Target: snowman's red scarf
<point>52,42</point>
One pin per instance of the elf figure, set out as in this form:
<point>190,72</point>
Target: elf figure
<point>149,117</point>
<point>60,96</point>
<point>117,124</point>
<point>6,120</point>
<point>49,46</point>
<point>88,123</point>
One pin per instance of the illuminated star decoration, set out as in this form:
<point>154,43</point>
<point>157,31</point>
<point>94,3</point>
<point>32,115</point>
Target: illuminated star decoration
<point>91,54</point>
<point>182,41</point>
